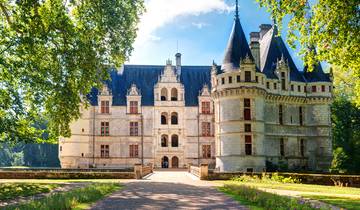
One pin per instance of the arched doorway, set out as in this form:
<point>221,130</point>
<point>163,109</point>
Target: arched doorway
<point>174,162</point>
<point>164,162</point>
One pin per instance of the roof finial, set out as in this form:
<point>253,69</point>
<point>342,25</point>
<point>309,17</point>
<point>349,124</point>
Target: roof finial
<point>237,10</point>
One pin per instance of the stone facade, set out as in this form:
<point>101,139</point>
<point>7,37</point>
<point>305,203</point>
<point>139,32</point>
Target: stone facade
<point>255,112</point>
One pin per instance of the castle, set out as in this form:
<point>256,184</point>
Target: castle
<point>255,112</point>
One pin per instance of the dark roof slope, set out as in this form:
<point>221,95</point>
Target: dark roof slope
<point>276,49</point>
<point>237,47</point>
<point>146,76</point>
<point>316,75</point>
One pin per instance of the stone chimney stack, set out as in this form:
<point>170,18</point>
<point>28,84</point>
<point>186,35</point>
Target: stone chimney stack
<point>264,28</point>
<point>255,47</point>
<point>178,63</point>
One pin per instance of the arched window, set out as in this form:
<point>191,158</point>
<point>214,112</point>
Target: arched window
<point>164,94</point>
<point>163,118</point>
<point>164,140</point>
<point>174,140</point>
<point>174,118</point>
<point>174,94</point>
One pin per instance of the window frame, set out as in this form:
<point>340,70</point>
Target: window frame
<point>134,128</point>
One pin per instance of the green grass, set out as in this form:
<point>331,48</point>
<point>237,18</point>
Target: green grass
<point>342,202</point>
<point>257,199</point>
<point>80,198</point>
<point>13,190</point>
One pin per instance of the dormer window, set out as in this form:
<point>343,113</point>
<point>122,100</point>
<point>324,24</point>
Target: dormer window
<point>247,76</point>
<point>164,94</point>
<point>205,107</point>
<point>174,94</point>
<point>313,88</point>
<point>105,107</point>
<point>133,107</point>
<point>283,84</point>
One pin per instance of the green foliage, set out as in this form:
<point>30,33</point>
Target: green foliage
<point>264,199</point>
<point>13,190</point>
<point>71,199</point>
<point>348,203</point>
<point>266,178</point>
<point>331,26</point>
<point>32,155</point>
<point>52,53</point>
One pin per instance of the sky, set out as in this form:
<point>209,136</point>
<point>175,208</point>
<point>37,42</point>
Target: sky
<point>198,29</point>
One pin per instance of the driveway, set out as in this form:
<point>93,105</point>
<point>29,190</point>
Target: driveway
<point>168,190</point>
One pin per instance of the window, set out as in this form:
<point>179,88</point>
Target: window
<point>247,127</point>
<point>105,128</point>
<point>174,140</point>
<point>230,80</point>
<point>205,107</point>
<point>280,114</point>
<point>283,84</point>
<point>174,94</point>
<point>60,149</point>
<point>302,147</point>
<point>313,88</point>
<point>134,128</point>
<point>330,88</point>
<point>304,89</point>
<point>134,150</point>
<point>282,74</point>
<point>133,107</point>
<point>164,94</point>
<point>282,147</point>
<point>205,128</point>
<point>174,118</point>
<point>105,151</point>
<point>322,88</point>
<point>292,87</point>
<point>164,140</point>
<point>105,107</point>
<point>275,86</point>
<point>83,130</point>
<point>206,151</point>
<point>247,76</point>
<point>248,145</point>
<point>238,78</point>
<point>247,111</point>
<point>223,80</point>
<point>299,88</point>
<point>163,118</point>
<point>257,79</point>
<point>301,115</point>
<point>268,85</point>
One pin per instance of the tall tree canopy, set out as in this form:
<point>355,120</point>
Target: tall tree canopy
<point>331,26</point>
<point>52,52</point>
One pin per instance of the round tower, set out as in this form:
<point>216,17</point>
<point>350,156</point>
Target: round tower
<point>238,92</point>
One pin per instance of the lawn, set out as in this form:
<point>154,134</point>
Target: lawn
<point>79,198</point>
<point>13,190</point>
<point>343,197</point>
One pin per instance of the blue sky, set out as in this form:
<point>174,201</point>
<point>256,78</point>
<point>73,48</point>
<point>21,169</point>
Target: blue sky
<point>200,27</point>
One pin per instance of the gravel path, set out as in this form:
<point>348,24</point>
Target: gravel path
<point>168,190</point>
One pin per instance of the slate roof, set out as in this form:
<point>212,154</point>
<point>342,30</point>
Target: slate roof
<point>146,76</point>
<point>273,48</point>
<point>316,75</point>
<point>237,47</point>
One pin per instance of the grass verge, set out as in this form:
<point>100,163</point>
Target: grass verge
<point>257,199</point>
<point>13,190</point>
<point>80,198</point>
<point>341,202</point>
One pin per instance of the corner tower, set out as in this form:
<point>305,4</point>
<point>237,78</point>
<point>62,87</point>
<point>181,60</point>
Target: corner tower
<point>238,94</point>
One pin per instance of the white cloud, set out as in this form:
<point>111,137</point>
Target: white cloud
<point>199,25</point>
<point>161,12</point>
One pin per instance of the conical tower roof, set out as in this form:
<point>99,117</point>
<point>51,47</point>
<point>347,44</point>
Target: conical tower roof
<point>237,47</point>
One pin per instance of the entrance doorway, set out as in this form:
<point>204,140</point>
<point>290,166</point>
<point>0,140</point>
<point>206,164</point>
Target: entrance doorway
<point>174,162</point>
<point>164,162</point>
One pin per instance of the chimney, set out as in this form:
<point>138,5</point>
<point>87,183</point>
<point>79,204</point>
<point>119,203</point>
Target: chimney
<point>263,29</point>
<point>255,47</point>
<point>178,63</point>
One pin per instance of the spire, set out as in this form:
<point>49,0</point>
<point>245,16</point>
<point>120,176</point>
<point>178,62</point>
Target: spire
<point>237,10</point>
<point>275,27</point>
<point>237,48</point>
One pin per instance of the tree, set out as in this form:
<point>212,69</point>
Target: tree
<point>331,26</point>
<point>52,52</point>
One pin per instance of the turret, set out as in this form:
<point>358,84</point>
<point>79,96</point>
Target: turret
<point>178,63</point>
